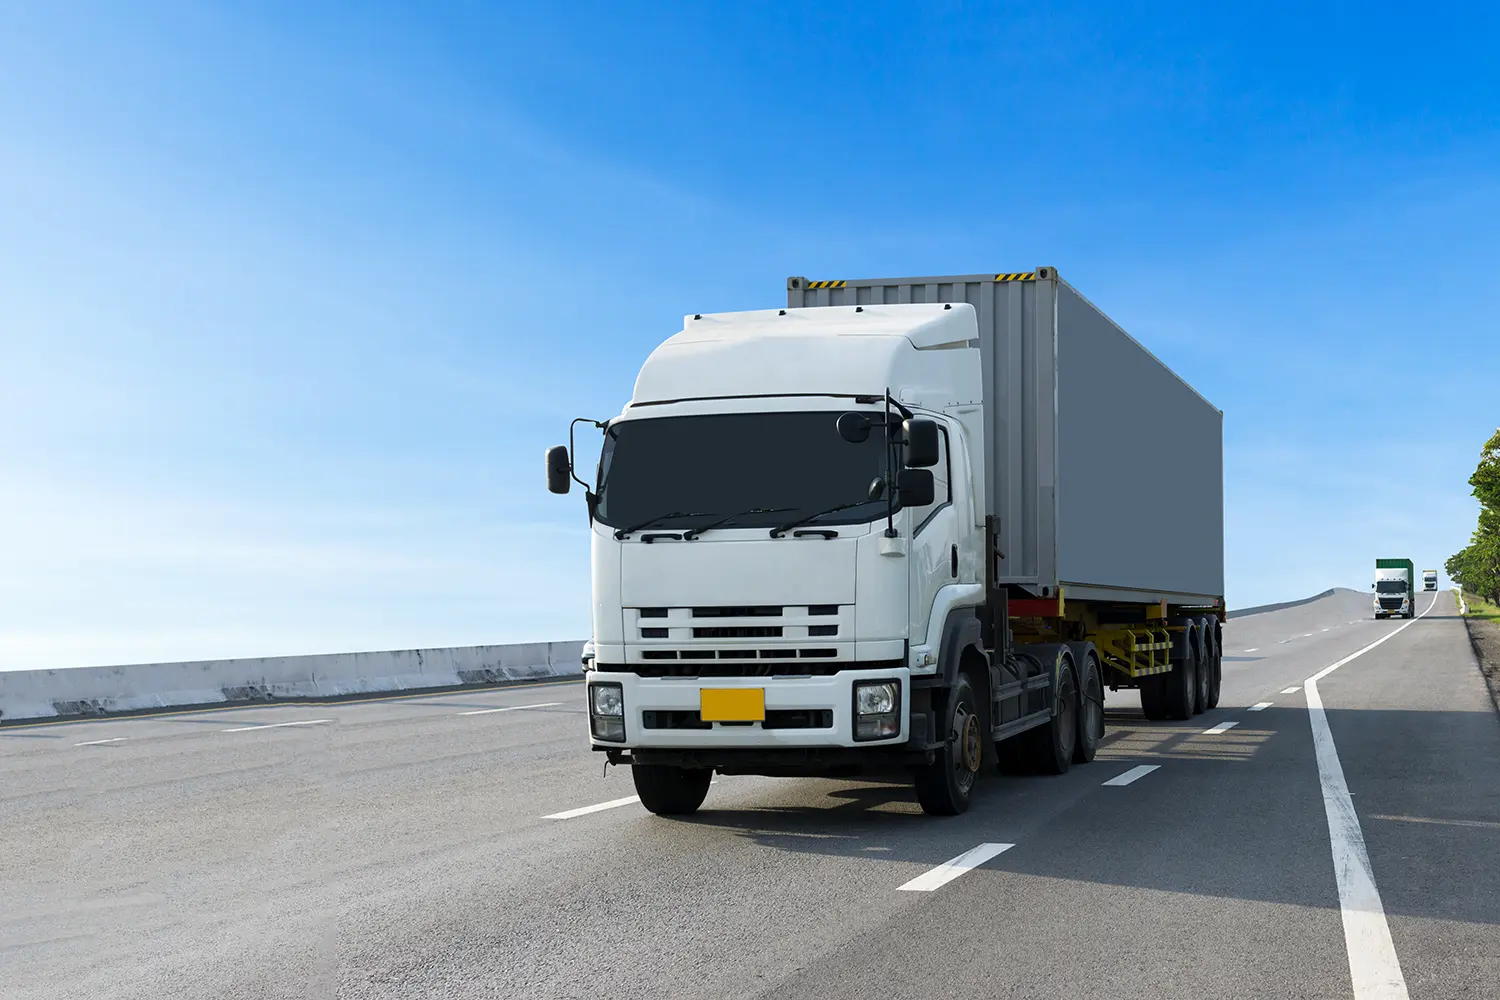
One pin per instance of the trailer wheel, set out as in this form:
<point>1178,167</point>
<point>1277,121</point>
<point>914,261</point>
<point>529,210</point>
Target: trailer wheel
<point>946,786</point>
<point>1052,744</point>
<point>1216,666</point>
<point>1182,685</point>
<point>1090,712</point>
<point>671,791</point>
<point>1205,672</point>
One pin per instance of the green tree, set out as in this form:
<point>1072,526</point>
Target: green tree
<point>1476,567</point>
<point>1486,478</point>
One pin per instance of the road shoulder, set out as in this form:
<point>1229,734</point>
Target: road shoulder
<point>1484,636</point>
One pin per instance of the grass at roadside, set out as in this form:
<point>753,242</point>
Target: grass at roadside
<point>1482,609</point>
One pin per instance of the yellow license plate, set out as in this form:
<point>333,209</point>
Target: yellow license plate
<point>732,704</point>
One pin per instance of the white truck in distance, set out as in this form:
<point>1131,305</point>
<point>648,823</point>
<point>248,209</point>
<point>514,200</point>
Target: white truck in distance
<point>900,526</point>
<point>1429,579</point>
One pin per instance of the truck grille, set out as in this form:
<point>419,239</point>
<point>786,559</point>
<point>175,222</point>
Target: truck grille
<point>794,718</point>
<point>739,632</point>
<point>1390,603</point>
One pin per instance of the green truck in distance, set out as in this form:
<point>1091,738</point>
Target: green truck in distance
<point>1395,588</point>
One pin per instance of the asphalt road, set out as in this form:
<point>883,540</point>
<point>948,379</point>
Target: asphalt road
<point>402,848</point>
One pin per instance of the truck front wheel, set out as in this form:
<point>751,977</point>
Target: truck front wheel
<point>945,787</point>
<point>671,791</point>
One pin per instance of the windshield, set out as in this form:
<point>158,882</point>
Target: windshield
<point>789,464</point>
<point>1390,586</point>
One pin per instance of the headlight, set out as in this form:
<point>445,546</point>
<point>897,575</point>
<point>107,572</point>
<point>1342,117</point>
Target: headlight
<point>608,699</point>
<point>607,712</point>
<point>877,708</point>
<point>875,699</point>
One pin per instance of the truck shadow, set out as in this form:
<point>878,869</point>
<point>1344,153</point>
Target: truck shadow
<point>1237,814</point>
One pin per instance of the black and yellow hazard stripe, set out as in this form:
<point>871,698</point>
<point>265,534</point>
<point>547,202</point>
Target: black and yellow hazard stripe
<point>1017,276</point>
<point>826,284</point>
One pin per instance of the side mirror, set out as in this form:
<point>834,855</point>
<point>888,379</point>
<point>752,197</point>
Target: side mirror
<point>877,488</point>
<point>914,487</point>
<point>854,427</point>
<point>559,469</point>
<point>923,449</point>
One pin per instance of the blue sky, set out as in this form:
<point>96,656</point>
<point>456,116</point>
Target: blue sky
<point>290,305</point>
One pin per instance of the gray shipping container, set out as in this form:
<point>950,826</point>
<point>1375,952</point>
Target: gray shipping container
<point>1105,469</point>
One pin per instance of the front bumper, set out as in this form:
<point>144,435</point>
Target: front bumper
<point>832,693</point>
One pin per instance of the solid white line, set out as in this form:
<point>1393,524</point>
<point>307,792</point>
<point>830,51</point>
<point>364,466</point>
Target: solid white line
<point>1259,706</point>
<point>1139,771</point>
<point>1374,967</point>
<point>277,725</point>
<point>95,743</point>
<point>1292,690</point>
<point>600,807</point>
<point>511,708</point>
<point>1222,727</point>
<point>950,870</point>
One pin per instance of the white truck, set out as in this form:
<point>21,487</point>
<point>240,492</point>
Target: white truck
<point>911,526</point>
<point>1429,579</point>
<point>1395,588</point>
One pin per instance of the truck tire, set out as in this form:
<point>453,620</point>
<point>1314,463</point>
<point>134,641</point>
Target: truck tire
<point>1090,712</point>
<point>1216,666</point>
<point>671,791</point>
<point>1205,668</point>
<point>946,786</point>
<point>1182,685</point>
<point>1052,744</point>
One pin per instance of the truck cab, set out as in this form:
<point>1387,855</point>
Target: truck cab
<point>1429,579</point>
<point>1395,588</point>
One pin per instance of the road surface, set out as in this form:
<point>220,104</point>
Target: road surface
<point>468,845</point>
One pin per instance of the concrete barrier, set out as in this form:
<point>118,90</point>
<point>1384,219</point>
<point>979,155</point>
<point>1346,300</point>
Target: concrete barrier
<point>85,691</point>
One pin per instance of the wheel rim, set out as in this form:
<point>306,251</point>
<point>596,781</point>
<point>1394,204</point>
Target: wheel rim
<point>967,746</point>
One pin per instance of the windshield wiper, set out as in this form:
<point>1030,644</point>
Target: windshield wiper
<point>648,522</point>
<point>778,532</point>
<point>693,533</point>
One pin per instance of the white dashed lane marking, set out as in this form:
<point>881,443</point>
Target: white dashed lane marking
<point>1139,771</point>
<point>1222,727</point>
<point>278,725</point>
<point>950,870</point>
<point>511,708</point>
<point>1259,706</point>
<point>597,807</point>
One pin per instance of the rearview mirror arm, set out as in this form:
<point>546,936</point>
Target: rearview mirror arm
<point>572,464</point>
